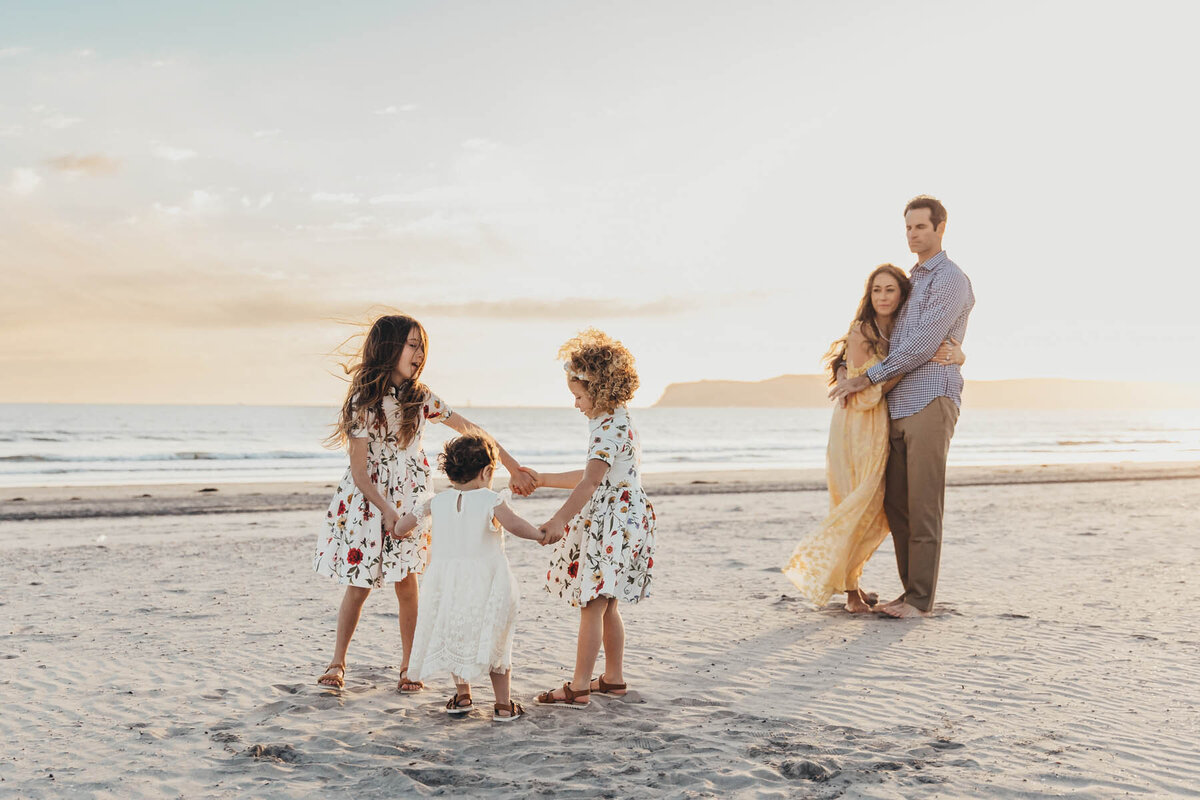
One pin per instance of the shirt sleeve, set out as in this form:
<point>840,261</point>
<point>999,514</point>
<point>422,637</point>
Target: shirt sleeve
<point>360,428</point>
<point>947,299</point>
<point>607,440</point>
<point>435,409</point>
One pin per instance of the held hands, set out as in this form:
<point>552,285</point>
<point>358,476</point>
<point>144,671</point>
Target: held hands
<point>524,482</point>
<point>391,518</point>
<point>553,530</point>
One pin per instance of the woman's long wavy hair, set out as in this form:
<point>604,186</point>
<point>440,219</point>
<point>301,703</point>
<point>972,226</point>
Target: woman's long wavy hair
<point>609,366</point>
<point>865,316</point>
<point>370,374</point>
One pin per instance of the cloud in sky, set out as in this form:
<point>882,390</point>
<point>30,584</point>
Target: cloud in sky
<point>60,121</point>
<point>24,181</point>
<point>341,198</point>
<point>95,164</point>
<point>169,153</point>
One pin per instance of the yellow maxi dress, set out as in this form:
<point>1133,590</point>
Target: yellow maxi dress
<point>830,559</point>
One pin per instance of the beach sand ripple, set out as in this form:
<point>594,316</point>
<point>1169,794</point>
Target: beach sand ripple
<point>180,658</point>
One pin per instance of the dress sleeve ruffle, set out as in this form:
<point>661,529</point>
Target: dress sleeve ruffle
<point>422,508</point>
<point>502,496</point>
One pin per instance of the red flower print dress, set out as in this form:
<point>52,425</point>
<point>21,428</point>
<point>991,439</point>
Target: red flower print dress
<point>609,548</point>
<point>352,547</point>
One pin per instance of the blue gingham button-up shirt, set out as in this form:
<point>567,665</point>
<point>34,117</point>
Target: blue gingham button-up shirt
<point>937,307</point>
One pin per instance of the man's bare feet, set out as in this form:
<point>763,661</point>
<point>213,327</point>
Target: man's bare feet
<point>905,611</point>
<point>856,603</point>
<point>899,601</point>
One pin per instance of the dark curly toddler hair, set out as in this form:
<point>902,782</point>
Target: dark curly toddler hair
<point>464,457</point>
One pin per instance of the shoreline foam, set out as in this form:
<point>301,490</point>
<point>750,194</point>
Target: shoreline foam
<point>77,502</point>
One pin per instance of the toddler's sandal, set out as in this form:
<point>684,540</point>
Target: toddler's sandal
<point>568,700</point>
<point>604,687</point>
<point>459,704</point>
<point>515,711</point>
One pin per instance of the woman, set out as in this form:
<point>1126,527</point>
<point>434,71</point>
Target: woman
<point>831,559</point>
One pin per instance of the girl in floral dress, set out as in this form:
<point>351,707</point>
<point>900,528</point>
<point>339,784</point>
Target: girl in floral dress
<point>381,422</point>
<point>608,550</point>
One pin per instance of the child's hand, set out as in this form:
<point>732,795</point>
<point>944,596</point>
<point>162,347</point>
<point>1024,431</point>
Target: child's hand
<point>522,483</point>
<point>391,518</point>
<point>536,476</point>
<point>555,530</point>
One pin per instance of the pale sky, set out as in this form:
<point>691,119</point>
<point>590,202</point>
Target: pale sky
<point>192,195</point>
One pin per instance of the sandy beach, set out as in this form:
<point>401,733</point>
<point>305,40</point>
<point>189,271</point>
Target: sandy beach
<point>168,646</point>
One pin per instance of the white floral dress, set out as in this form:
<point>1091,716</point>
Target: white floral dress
<point>352,548</point>
<point>469,597</point>
<point>609,548</point>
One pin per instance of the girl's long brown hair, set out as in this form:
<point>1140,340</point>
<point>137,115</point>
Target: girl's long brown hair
<point>370,381</point>
<point>866,317</point>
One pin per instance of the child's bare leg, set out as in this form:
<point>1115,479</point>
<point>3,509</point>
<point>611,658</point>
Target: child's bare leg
<point>614,644</point>
<point>406,599</point>
<point>591,629</point>
<point>461,687</point>
<point>348,615</point>
<point>501,683</point>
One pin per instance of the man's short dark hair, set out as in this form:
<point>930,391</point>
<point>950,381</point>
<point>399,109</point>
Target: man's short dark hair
<point>937,211</point>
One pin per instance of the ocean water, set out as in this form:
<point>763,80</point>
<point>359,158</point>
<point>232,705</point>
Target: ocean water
<point>79,445</point>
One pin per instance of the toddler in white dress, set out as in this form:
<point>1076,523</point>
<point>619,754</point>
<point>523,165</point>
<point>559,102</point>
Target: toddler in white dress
<point>469,597</point>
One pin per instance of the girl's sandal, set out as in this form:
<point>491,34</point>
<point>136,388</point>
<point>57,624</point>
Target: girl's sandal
<point>459,704</point>
<point>406,686</point>
<point>604,687</point>
<point>332,679</point>
<point>515,711</point>
<point>568,699</point>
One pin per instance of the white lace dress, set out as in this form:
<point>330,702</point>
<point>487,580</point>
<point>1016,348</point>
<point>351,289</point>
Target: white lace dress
<point>469,597</point>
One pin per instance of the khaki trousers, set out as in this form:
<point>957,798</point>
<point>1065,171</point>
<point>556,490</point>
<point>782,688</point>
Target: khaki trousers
<point>915,493</point>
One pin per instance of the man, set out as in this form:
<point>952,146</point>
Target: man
<point>923,405</point>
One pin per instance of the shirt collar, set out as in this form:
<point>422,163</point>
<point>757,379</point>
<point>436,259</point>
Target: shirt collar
<point>933,262</point>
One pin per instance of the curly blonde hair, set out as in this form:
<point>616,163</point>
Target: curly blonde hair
<point>603,366</point>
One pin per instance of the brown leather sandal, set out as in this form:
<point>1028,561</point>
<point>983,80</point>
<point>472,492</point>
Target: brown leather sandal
<point>568,700</point>
<point>604,687</point>
<point>459,704</point>
<point>334,680</point>
<point>405,686</point>
<point>515,711</point>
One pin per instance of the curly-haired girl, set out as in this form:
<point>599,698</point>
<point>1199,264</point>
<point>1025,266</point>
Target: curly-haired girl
<point>381,423</point>
<point>605,529</point>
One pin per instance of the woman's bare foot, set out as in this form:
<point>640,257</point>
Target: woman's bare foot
<point>905,611</point>
<point>856,603</point>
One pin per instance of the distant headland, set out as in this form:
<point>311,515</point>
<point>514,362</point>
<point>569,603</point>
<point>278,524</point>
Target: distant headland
<point>809,391</point>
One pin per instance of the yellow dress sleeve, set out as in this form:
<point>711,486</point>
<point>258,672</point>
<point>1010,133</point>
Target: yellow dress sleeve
<point>871,396</point>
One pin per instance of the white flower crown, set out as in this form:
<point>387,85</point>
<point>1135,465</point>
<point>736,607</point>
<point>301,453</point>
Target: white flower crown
<point>573,375</point>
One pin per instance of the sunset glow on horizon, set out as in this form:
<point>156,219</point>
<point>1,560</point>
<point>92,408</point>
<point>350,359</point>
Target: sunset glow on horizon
<point>195,200</point>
